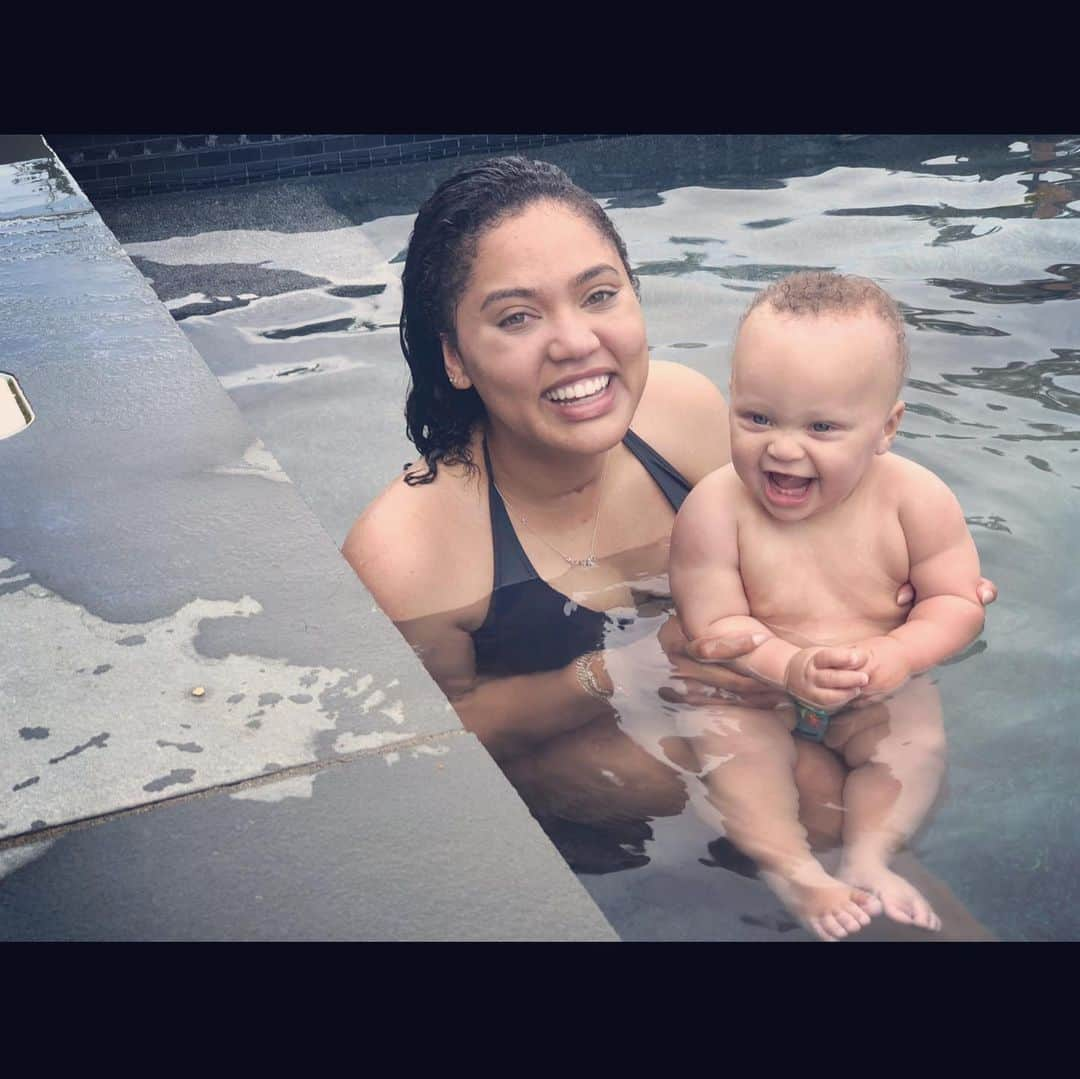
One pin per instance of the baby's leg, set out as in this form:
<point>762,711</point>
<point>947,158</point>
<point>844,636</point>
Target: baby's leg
<point>820,776</point>
<point>747,761</point>
<point>897,752</point>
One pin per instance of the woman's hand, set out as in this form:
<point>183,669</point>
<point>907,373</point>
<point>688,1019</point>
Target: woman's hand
<point>700,677</point>
<point>985,589</point>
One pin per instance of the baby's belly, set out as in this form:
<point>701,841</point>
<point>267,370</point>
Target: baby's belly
<point>829,629</point>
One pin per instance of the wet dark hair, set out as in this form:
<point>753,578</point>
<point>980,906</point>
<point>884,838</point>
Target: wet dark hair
<point>439,420</point>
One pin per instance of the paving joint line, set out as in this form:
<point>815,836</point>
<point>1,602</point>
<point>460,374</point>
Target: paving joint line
<point>55,831</point>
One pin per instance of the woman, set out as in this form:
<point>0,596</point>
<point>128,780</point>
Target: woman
<point>519,554</point>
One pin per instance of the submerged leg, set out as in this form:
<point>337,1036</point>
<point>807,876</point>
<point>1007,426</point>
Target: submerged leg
<point>897,756</point>
<point>747,762</point>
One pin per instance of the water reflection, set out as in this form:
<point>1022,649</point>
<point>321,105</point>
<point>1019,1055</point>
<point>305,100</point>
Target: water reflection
<point>1031,381</point>
<point>985,221</point>
<point>1026,292</point>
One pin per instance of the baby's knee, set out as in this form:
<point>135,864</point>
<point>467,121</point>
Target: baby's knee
<point>819,774</point>
<point>912,742</point>
<point>927,740</point>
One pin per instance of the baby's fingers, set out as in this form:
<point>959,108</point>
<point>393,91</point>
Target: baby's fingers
<point>830,700</point>
<point>832,678</point>
<point>843,658</point>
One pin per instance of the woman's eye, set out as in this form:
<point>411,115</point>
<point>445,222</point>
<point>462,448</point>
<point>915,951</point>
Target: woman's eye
<point>821,427</point>
<point>600,296</point>
<point>516,319</point>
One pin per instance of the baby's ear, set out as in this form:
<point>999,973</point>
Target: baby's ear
<point>892,425</point>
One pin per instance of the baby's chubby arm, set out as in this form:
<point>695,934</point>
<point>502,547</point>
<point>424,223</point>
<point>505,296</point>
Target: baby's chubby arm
<point>945,572</point>
<point>711,602</point>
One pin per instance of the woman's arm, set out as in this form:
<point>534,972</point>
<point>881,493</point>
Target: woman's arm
<point>514,714</point>
<point>428,605</point>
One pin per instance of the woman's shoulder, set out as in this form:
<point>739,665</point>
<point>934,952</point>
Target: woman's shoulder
<point>684,417</point>
<point>403,543</point>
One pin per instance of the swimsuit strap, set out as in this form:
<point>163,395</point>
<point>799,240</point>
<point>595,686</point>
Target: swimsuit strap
<point>511,562</point>
<point>666,476</point>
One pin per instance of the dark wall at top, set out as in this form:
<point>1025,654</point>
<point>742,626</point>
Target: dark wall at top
<point>118,165</point>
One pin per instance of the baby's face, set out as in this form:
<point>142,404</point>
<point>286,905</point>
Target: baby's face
<point>813,399</point>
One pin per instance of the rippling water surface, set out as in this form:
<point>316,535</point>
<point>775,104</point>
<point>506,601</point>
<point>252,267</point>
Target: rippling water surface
<point>291,292</point>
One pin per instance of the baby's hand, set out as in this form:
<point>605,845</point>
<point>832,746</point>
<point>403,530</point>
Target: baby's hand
<point>826,678</point>
<point>887,665</point>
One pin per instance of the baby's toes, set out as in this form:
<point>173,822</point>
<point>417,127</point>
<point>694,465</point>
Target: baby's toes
<point>867,902</point>
<point>849,921</point>
<point>853,910</point>
<point>831,924</point>
<point>925,917</point>
<point>899,912</point>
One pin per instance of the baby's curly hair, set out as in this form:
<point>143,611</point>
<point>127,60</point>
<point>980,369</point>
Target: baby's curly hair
<point>818,292</point>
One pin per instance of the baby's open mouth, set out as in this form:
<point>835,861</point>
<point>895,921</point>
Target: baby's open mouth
<point>788,483</point>
<point>579,391</point>
<point>787,490</point>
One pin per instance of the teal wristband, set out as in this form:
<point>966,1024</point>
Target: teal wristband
<point>810,722</point>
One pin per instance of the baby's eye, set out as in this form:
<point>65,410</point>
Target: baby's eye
<point>821,427</point>
<point>516,319</point>
<point>758,418</point>
<point>600,296</point>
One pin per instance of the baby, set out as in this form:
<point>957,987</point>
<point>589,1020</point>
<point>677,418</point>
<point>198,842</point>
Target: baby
<point>801,543</point>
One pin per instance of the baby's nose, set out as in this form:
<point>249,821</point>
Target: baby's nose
<point>785,448</point>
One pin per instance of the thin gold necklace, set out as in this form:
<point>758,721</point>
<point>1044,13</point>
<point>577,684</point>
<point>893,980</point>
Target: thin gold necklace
<point>589,561</point>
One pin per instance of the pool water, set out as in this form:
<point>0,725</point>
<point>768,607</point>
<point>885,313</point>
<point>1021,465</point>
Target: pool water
<point>291,292</point>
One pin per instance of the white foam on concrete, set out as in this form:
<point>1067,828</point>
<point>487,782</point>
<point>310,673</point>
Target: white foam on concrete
<point>291,787</point>
<point>353,742</point>
<point>258,461</point>
<point>16,857</point>
<point>157,714</point>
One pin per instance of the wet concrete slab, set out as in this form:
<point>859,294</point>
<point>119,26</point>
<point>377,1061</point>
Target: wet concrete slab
<point>419,844</point>
<point>176,622</point>
<point>174,615</point>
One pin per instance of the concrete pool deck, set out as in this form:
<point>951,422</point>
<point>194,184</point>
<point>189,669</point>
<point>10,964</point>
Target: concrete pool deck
<point>211,732</point>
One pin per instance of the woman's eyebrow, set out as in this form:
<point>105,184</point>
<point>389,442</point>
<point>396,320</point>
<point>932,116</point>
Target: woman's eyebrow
<point>508,294</point>
<point>530,294</point>
<point>593,271</point>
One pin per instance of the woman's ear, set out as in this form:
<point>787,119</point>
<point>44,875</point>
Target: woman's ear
<point>892,424</point>
<point>455,369</point>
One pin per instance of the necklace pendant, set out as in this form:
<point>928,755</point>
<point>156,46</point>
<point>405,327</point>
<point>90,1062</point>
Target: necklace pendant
<point>583,563</point>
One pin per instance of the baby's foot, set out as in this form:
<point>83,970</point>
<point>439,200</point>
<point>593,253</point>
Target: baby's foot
<point>829,908</point>
<point>900,899</point>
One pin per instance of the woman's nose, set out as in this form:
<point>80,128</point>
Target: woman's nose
<point>572,338</point>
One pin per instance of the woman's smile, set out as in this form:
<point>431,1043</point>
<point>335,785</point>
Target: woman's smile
<point>550,332</point>
<point>579,389</point>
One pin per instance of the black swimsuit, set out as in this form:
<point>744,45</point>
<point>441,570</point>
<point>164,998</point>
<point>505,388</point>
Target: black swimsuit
<point>529,625</point>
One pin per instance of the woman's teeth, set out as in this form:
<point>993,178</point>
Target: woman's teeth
<point>587,387</point>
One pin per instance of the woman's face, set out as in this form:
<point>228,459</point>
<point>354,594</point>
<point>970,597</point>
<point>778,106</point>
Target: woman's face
<point>550,333</point>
